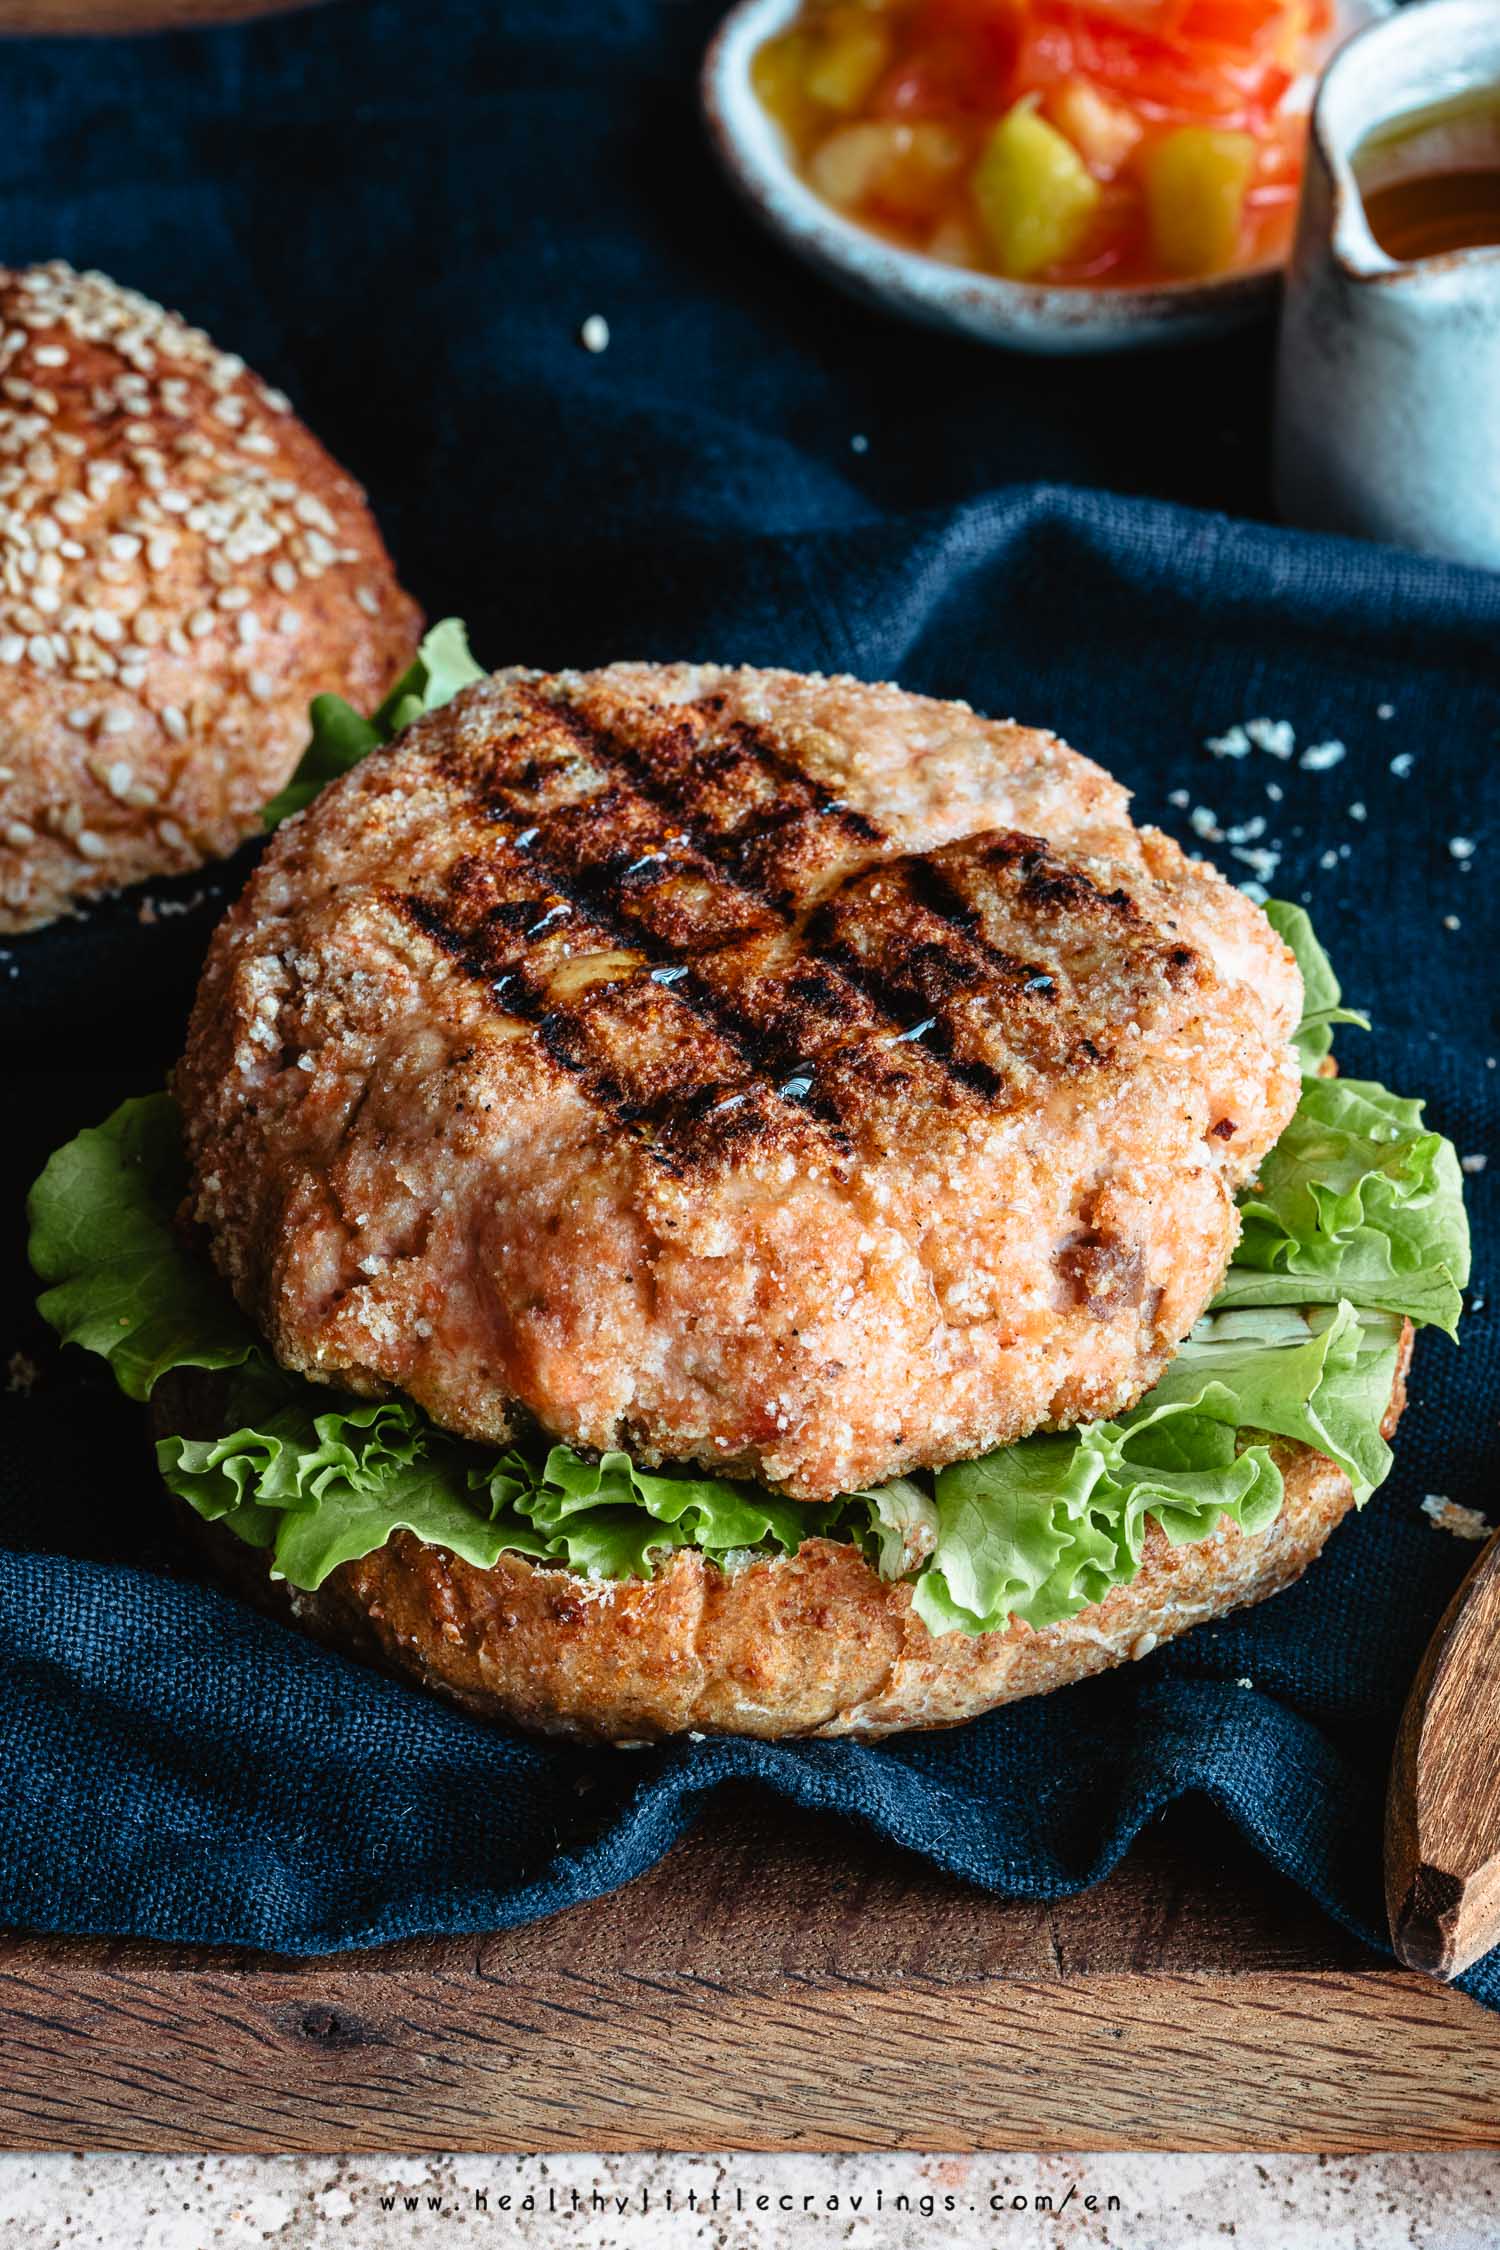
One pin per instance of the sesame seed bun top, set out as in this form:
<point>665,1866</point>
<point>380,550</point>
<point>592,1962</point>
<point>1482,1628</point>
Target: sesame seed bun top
<point>182,566</point>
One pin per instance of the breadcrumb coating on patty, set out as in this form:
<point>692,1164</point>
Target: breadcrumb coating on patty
<point>797,1077</point>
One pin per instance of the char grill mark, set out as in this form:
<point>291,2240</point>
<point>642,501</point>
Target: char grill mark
<point>752,810</point>
<point>634,869</point>
<point>658,1064</point>
<point>1013,889</point>
<point>915,937</point>
<point>640,907</point>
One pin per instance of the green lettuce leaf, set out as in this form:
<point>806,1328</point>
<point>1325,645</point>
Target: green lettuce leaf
<point>121,1281</point>
<point>1041,1529</point>
<point>1358,1201</point>
<point>1356,1221</point>
<point>1321,995</point>
<point>340,737</point>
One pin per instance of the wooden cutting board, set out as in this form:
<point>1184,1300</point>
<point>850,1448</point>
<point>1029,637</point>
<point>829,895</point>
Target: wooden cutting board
<point>777,1983</point>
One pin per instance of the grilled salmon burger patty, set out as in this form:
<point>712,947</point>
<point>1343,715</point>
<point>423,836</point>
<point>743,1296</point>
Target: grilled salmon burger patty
<point>800,1078</point>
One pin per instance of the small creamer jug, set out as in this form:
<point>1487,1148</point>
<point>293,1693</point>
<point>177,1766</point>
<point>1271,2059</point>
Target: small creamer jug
<point>1388,371</point>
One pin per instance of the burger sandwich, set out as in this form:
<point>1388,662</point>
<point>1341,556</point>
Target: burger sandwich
<point>723,1201</point>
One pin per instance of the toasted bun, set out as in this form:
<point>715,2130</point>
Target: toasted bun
<point>182,567</point>
<point>810,1644</point>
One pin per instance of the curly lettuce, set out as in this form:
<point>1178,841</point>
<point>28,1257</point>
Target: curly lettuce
<point>1355,1224</point>
<point>341,737</point>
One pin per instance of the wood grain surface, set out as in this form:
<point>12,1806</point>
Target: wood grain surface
<point>1442,1836</point>
<point>775,1984</point>
<point>49,18</point>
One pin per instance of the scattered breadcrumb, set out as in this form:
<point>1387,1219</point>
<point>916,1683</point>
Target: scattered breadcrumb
<point>1462,847</point>
<point>594,334</point>
<point>1357,810</point>
<point>1244,1683</point>
<point>1473,1164</point>
<point>1235,743</point>
<point>21,1373</point>
<point>1452,922</point>
<point>1180,798</point>
<point>859,443</point>
<point>1261,859</point>
<point>1276,737</point>
<point>154,910</point>
<point>1448,1515</point>
<point>1402,764</point>
<point>1385,710</point>
<point>1319,756</point>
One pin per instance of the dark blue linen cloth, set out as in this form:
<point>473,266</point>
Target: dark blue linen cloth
<point>404,216</point>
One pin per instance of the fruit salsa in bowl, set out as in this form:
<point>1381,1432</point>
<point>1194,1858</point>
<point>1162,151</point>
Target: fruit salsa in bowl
<point>1056,175</point>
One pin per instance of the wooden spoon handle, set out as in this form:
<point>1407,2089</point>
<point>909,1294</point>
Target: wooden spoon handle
<point>1442,1813</point>
<point>49,18</point>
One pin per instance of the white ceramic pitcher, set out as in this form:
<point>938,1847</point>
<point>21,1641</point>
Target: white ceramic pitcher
<point>1388,374</point>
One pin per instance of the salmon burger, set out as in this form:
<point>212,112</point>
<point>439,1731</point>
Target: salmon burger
<point>709,1199</point>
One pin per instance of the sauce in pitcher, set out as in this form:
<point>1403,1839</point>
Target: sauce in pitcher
<point>1430,181</point>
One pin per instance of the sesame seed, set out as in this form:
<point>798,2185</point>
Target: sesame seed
<point>12,648</point>
<point>368,600</point>
<point>284,577</point>
<point>174,722</point>
<point>288,621</point>
<point>118,778</point>
<point>247,627</point>
<point>80,720</point>
<point>18,833</point>
<point>39,648</point>
<point>171,835</point>
<point>261,686</point>
<point>50,355</point>
<point>124,546</point>
<point>201,624</point>
<point>594,334</point>
<point>233,597</point>
<point>117,720</point>
<point>90,845</point>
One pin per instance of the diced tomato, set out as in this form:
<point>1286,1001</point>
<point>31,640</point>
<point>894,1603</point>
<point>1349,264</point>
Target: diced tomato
<point>899,143</point>
<point>1166,78</point>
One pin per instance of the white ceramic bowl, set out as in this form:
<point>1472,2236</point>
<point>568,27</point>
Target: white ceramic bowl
<point>1019,315</point>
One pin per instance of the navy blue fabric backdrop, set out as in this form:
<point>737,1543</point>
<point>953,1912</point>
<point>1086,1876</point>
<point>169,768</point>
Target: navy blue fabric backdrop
<point>404,216</point>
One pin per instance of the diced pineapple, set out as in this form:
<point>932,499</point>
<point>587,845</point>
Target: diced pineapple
<point>955,240</point>
<point>1034,193</point>
<point>907,170</point>
<point>847,165</point>
<point>1195,180</point>
<point>849,54</point>
<point>778,73</point>
<point>924,166</point>
<point>1103,131</point>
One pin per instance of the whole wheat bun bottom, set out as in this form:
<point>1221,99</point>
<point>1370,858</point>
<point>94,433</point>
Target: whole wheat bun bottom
<point>811,1644</point>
